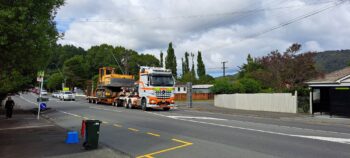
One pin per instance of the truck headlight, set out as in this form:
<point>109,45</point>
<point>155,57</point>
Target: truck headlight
<point>153,101</point>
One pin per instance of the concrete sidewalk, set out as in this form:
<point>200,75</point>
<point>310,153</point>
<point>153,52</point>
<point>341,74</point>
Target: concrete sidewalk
<point>26,137</point>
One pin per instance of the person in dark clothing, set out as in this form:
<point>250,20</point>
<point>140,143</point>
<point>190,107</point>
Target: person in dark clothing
<point>9,107</point>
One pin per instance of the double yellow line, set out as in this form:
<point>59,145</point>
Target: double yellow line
<point>184,144</point>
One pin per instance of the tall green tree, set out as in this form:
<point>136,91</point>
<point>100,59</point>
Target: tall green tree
<point>182,67</point>
<point>193,72</point>
<point>200,65</point>
<point>161,59</point>
<point>170,60</point>
<point>27,36</point>
<point>186,63</point>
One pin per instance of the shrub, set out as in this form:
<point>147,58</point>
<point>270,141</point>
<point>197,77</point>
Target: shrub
<point>222,86</point>
<point>250,85</point>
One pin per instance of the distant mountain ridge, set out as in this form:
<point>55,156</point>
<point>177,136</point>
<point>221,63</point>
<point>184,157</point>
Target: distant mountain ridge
<point>329,61</point>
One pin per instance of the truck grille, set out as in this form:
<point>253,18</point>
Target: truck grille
<point>163,95</point>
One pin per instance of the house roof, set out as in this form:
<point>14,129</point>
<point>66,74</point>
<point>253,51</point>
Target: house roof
<point>180,84</point>
<point>202,86</point>
<point>333,77</point>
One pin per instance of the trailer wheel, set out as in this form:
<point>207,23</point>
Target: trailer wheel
<point>129,104</point>
<point>143,104</point>
<point>89,100</point>
<point>119,103</point>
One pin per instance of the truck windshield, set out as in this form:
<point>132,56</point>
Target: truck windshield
<point>162,80</point>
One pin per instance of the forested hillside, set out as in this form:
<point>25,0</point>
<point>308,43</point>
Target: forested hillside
<point>329,61</point>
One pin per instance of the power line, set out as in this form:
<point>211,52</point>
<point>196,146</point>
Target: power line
<point>251,11</point>
<point>304,16</point>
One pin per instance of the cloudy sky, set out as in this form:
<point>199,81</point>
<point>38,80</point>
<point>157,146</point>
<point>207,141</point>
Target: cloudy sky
<point>223,30</point>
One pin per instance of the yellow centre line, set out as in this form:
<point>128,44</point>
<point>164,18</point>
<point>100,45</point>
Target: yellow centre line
<point>105,122</point>
<point>133,129</point>
<point>117,125</point>
<point>86,118</point>
<point>184,144</point>
<point>153,134</point>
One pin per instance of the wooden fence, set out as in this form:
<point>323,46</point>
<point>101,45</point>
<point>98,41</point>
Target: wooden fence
<point>195,96</point>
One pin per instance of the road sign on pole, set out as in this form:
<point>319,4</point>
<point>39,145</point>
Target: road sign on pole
<point>40,75</point>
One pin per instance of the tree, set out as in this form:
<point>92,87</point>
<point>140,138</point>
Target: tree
<point>170,60</point>
<point>206,79</point>
<point>187,77</point>
<point>54,82</point>
<point>186,63</point>
<point>27,36</point>
<point>193,72</point>
<point>248,69</point>
<point>223,86</point>
<point>281,71</point>
<point>182,66</point>
<point>200,65</point>
<point>161,59</point>
<point>75,69</point>
<point>250,85</point>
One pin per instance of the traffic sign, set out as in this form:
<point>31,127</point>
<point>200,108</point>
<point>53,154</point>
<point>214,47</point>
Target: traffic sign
<point>43,106</point>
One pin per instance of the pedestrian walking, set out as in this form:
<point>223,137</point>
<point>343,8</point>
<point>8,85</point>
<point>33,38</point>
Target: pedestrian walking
<point>9,107</point>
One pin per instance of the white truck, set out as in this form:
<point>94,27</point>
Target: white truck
<point>154,89</point>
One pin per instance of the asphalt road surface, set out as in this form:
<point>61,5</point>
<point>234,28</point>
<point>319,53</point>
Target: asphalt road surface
<point>182,133</point>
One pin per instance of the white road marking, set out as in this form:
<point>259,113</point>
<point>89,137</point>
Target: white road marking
<point>69,113</point>
<point>330,139</point>
<point>25,127</point>
<point>195,117</point>
<point>104,109</point>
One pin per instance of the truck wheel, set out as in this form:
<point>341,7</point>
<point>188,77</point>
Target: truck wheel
<point>129,104</point>
<point>125,104</point>
<point>166,109</point>
<point>89,100</point>
<point>143,105</point>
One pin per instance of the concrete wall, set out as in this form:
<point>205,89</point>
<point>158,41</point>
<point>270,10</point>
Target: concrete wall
<point>274,102</point>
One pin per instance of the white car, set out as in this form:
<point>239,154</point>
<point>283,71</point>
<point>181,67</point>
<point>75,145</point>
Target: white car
<point>43,92</point>
<point>67,96</point>
<point>55,94</point>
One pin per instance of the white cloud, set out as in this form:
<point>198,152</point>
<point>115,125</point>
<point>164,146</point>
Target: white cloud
<point>213,27</point>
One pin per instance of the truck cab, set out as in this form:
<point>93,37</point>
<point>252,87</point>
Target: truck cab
<point>156,88</point>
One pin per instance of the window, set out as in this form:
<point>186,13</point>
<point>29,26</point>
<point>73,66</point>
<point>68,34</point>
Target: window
<point>185,89</point>
<point>316,95</point>
<point>178,89</point>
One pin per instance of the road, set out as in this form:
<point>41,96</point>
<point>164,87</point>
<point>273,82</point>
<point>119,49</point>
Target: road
<point>183,133</point>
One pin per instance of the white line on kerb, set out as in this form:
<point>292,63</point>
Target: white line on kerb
<point>25,127</point>
<point>28,100</point>
<point>330,139</point>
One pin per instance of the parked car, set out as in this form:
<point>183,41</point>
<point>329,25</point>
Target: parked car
<point>43,92</point>
<point>55,94</point>
<point>67,96</point>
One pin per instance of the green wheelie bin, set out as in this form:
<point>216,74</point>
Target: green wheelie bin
<point>92,132</point>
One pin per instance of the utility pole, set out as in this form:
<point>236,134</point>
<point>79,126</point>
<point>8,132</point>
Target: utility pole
<point>223,67</point>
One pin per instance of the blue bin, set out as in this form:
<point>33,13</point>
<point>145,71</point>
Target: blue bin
<point>72,137</point>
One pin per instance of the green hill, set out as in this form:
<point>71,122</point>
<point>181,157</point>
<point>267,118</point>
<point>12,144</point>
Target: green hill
<point>329,61</point>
